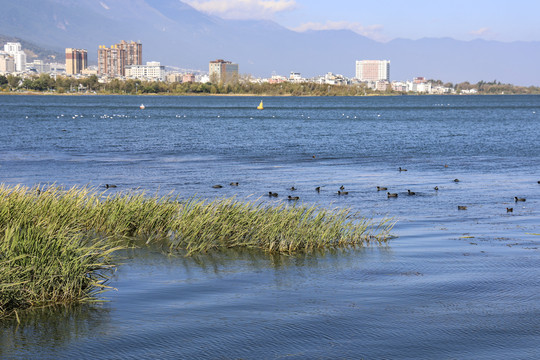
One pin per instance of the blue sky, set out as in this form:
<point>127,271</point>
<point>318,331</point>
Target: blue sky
<point>502,20</point>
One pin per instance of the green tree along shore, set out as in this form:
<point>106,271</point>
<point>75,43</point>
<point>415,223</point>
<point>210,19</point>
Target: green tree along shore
<point>62,85</point>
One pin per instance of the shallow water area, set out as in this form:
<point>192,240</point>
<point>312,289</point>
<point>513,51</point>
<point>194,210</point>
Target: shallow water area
<point>455,283</point>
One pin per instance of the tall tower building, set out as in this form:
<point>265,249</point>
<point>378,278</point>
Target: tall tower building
<point>373,70</point>
<point>15,50</point>
<point>133,52</point>
<point>113,61</point>
<point>222,71</point>
<point>76,60</point>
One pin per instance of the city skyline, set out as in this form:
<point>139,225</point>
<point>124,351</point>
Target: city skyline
<point>188,37</point>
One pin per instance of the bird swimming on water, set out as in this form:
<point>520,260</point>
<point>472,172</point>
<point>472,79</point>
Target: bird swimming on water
<point>509,209</point>
<point>381,188</point>
<point>293,198</point>
<point>234,184</point>
<point>411,192</point>
<point>401,169</point>
<point>342,192</point>
<point>436,188</point>
<point>392,195</point>
<point>318,189</point>
<point>461,207</point>
<point>272,194</point>
<point>519,199</point>
<point>107,186</point>
<point>217,186</point>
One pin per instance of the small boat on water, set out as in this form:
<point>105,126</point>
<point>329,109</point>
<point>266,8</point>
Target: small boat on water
<point>260,107</point>
<point>142,107</point>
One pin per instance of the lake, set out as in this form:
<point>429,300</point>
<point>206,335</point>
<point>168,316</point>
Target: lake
<point>453,284</point>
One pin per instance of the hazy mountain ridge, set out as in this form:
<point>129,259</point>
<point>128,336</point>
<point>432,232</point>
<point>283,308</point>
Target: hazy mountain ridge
<point>176,34</point>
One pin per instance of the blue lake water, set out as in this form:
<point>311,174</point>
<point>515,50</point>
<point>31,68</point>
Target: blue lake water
<point>452,285</point>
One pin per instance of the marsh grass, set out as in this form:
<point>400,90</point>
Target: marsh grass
<point>57,244</point>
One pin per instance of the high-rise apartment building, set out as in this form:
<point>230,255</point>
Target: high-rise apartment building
<point>222,71</point>
<point>15,50</point>
<point>373,70</point>
<point>133,52</point>
<point>76,60</point>
<point>113,61</point>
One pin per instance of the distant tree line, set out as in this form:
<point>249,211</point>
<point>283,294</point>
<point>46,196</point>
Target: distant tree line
<point>489,87</point>
<point>63,84</point>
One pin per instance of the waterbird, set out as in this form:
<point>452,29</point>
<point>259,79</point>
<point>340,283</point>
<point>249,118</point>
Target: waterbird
<point>411,192</point>
<point>293,197</point>
<point>272,194</point>
<point>217,186</point>
<point>456,180</point>
<point>392,195</point>
<point>436,188</point>
<point>234,184</point>
<point>519,199</point>
<point>401,169</point>
<point>342,187</point>
<point>445,165</point>
<point>509,210</point>
<point>342,192</point>
<point>539,181</point>
<point>381,188</point>
<point>292,188</point>
<point>318,189</point>
<point>461,207</point>
<point>107,186</point>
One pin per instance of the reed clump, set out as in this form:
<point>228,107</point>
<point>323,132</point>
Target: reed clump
<point>41,266</point>
<point>56,244</point>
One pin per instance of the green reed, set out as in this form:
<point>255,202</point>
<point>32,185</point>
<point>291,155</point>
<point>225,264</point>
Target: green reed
<point>56,244</point>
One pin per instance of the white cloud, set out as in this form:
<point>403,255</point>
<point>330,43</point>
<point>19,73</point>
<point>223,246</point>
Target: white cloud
<point>371,31</point>
<point>104,5</point>
<point>483,32</point>
<point>242,9</point>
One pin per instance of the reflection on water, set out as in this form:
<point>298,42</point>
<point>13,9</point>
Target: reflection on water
<point>48,329</point>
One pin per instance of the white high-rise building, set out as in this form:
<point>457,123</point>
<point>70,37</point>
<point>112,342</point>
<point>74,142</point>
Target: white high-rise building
<point>15,50</point>
<point>373,70</point>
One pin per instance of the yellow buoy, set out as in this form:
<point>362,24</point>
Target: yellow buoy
<point>260,107</point>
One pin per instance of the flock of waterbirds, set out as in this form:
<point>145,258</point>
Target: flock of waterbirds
<point>341,191</point>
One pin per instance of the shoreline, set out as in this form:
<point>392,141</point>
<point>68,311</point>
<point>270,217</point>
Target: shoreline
<point>40,93</point>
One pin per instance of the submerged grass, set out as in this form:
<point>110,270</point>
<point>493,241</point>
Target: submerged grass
<point>56,244</point>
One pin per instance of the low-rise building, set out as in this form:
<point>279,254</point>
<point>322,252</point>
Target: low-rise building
<point>296,77</point>
<point>173,77</point>
<point>188,78</point>
<point>152,71</point>
<point>7,63</point>
<point>38,66</point>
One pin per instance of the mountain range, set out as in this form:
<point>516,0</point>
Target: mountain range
<point>176,34</point>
